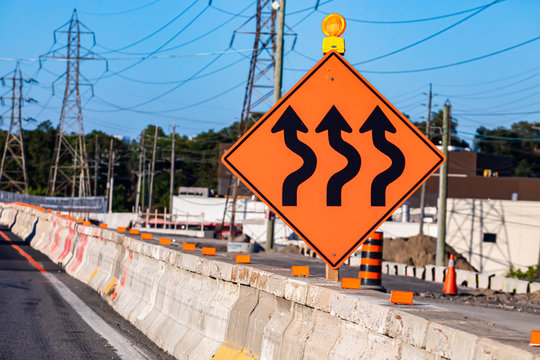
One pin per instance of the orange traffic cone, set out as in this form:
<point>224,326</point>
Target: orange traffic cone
<point>450,287</point>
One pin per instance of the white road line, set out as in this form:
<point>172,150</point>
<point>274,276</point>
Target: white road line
<point>125,348</point>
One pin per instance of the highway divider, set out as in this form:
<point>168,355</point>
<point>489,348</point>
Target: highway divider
<point>197,307</point>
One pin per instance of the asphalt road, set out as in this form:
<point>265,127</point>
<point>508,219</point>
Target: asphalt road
<point>37,322</point>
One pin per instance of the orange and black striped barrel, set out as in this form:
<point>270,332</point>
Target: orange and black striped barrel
<point>371,262</point>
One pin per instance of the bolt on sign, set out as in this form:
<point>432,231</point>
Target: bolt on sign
<point>333,158</point>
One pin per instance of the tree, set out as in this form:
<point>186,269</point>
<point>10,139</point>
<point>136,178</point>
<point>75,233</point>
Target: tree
<point>436,130</point>
<point>513,142</point>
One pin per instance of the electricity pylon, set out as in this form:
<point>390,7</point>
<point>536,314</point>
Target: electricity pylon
<point>13,175</point>
<point>69,173</point>
<point>260,84</point>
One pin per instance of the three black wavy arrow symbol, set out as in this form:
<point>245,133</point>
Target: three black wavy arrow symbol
<point>290,124</point>
<point>334,123</point>
<point>379,124</point>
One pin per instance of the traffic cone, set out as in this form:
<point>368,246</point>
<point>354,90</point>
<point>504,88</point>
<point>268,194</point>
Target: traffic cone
<point>450,287</point>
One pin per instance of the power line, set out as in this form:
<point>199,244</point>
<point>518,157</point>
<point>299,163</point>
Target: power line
<point>163,45</point>
<point>153,33</point>
<point>430,36</point>
<point>410,21</point>
<point>438,67</point>
<point>187,42</point>
<point>120,12</point>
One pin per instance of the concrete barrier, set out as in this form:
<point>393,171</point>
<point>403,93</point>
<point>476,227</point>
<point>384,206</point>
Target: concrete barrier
<point>466,278</point>
<point>517,286</point>
<point>201,308</point>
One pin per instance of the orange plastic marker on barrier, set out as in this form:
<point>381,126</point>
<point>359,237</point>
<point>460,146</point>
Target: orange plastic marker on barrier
<point>121,229</point>
<point>49,210</point>
<point>401,297</point>
<point>65,216</point>
<point>145,236</point>
<point>188,247</point>
<point>103,226</point>
<point>242,259</point>
<point>71,218</point>
<point>80,220</point>
<point>535,338</point>
<point>209,251</point>
<point>350,283</point>
<point>300,270</point>
<point>58,213</point>
<point>164,241</point>
<point>87,223</point>
<point>134,231</point>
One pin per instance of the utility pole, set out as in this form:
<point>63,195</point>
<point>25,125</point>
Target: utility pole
<point>423,190</point>
<point>261,69</point>
<point>13,167</point>
<point>443,187</point>
<point>151,188</point>
<point>278,78</point>
<point>96,164</point>
<point>69,171</point>
<point>140,172</point>
<point>111,192</point>
<point>109,172</point>
<point>171,189</point>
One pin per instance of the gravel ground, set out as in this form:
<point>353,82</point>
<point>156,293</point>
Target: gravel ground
<point>489,298</point>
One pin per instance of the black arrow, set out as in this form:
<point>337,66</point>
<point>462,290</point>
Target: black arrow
<point>379,124</point>
<point>334,123</point>
<point>290,123</point>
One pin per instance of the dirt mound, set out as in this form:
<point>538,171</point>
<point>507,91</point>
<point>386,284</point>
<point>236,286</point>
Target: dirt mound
<point>419,250</point>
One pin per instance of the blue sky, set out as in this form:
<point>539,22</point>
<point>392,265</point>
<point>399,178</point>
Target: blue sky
<point>506,83</point>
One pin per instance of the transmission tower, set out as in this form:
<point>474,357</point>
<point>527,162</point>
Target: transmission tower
<point>260,83</point>
<point>69,173</point>
<point>13,175</point>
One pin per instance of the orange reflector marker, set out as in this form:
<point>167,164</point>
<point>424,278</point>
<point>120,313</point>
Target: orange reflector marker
<point>71,218</point>
<point>300,270</point>
<point>49,210</point>
<point>87,223</point>
<point>121,229</point>
<point>164,241</point>
<point>188,247</point>
<point>535,338</point>
<point>103,226</point>
<point>401,297</point>
<point>80,220</point>
<point>146,236</point>
<point>58,213</point>
<point>209,251</point>
<point>134,231</point>
<point>350,283</point>
<point>242,259</point>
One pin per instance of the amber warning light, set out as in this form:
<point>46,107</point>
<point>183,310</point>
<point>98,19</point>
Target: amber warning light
<point>333,26</point>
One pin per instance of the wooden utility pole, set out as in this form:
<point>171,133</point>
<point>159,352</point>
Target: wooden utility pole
<point>151,188</point>
<point>96,165</point>
<point>278,79</point>
<point>171,189</point>
<point>109,171</point>
<point>111,186</point>
<point>140,172</point>
<point>423,190</point>
<point>443,187</point>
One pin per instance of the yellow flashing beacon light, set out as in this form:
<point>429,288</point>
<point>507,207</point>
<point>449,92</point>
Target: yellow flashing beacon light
<point>333,26</point>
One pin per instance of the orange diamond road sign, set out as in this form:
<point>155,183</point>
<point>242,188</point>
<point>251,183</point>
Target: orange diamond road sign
<point>333,158</point>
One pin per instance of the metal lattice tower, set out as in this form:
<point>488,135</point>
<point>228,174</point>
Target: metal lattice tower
<point>69,173</point>
<point>260,83</point>
<point>13,175</point>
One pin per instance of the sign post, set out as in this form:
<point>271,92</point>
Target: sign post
<point>333,158</point>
